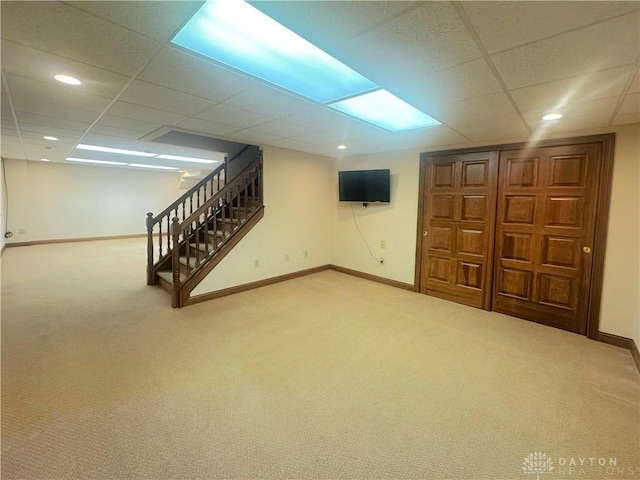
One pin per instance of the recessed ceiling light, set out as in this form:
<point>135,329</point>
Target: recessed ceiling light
<point>262,47</point>
<point>267,50</point>
<point>552,116</point>
<point>384,109</point>
<point>342,147</point>
<point>185,159</point>
<point>152,166</point>
<point>96,148</point>
<point>87,160</point>
<point>49,137</point>
<point>67,79</point>
<point>44,159</point>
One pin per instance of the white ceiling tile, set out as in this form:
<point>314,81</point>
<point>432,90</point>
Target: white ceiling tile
<point>107,141</point>
<point>22,61</point>
<point>602,46</point>
<point>205,126</point>
<point>162,98</point>
<point>346,19</point>
<point>624,118</point>
<point>426,138</point>
<point>321,137</point>
<point>569,124</point>
<point>504,25</point>
<point>176,69</point>
<point>282,128</point>
<point>323,118</point>
<point>252,136</point>
<point>270,101</point>
<point>492,127</point>
<point>24,89</point>
<point>234,116</point>
<point>12,150</point>
<point>473,108</point>
<point>557,94</point>
<point>154,19</point>
<point>29,130</point>
<point>289,143</point>
<point>66,31</point>
<point>599,108</point>
<point>128,124</point>
<point>631,104</point>
<point>52,122</point>
<point>432,34</point>
<point>116,132</point>
<point>31,105</point>
<point>144,114</point>
<point>469,80</point>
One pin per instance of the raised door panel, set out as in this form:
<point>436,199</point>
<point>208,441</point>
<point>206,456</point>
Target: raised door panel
<point>459,217</point>
<point>545,216</point>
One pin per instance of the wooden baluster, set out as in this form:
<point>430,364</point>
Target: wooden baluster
<point>187,247</point>
<point>197,239</point>
<point>149,248</point>
<point>198,192</point>
<point>184,207</point>
<point>160,239</point>
<point>169,232</point>
<point>175,263</point>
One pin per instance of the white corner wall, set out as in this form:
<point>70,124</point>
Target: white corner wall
<point>297,199</point>
<point>620,310</point>
<point>396,224</point>
<point>3,221</point>
<point>52,201</point>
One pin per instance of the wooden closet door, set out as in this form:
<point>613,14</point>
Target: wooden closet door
<point>544,233</point>
<point>458,223</point>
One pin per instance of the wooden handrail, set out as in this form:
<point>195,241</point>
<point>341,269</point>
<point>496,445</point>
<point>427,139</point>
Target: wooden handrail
<point>223,191</point>
<point>189,193</point>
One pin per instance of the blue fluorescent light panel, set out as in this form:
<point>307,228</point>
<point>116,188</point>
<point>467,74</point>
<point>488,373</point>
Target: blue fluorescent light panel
<point>385,110</point>
<point>239,35</point>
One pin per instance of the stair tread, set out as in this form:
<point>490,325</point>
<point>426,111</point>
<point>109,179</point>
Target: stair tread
<point>167,275</point>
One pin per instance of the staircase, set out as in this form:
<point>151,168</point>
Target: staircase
<point>191,236</point>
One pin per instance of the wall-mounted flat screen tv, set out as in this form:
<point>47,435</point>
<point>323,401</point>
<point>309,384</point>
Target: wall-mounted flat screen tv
<point>365,186</point>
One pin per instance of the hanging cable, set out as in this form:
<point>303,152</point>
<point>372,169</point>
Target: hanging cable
<point>362,236</point>
<point>5,201</point>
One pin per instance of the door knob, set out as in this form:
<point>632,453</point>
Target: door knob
<point>424,234</point>
<point>586,249</point>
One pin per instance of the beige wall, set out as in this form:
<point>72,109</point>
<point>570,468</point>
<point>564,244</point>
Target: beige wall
<point>2,205</point>
<point>303,215</point>
<point>297,220</point>
<point>396,223</point>
<point>393,223</point>
<point>620,312</point>
<point>56,201</point>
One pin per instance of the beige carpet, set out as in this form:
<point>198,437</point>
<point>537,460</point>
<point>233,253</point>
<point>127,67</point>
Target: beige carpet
<point>327,376</point>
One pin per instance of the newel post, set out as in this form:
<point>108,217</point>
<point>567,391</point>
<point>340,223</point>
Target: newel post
<point>149,248</point>
<point>175,262</point>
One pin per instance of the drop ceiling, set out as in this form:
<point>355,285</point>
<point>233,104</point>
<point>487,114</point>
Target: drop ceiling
<point>486,70</point>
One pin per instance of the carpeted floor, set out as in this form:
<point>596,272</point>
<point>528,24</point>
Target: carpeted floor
<point>327,377</point>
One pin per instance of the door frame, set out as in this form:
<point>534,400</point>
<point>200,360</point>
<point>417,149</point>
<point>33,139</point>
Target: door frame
<point>603,200</point>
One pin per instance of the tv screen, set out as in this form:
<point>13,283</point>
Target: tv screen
<point>366,186</point>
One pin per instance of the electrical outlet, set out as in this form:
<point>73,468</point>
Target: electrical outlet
<point>286,257</point>
<point>256,263</point>
<point>383,244</point>
<point>22,231</point>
